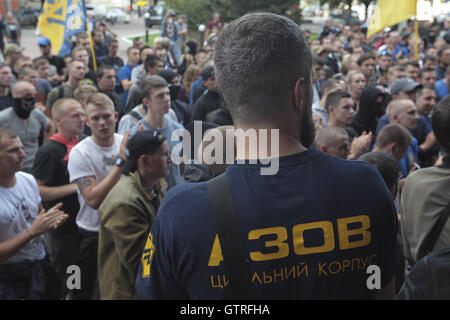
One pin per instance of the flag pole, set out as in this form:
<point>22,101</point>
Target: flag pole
<point>416,40</point>
<point>91,42</point>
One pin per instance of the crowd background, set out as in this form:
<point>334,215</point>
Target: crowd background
<point>370,95</point>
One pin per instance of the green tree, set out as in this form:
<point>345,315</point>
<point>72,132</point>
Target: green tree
<point>201,11</point>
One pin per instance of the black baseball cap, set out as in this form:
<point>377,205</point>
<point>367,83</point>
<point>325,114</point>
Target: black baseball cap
<point>207,73</point>
<point>143,142</point>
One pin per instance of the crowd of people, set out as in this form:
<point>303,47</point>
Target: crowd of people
<point>86,143</point>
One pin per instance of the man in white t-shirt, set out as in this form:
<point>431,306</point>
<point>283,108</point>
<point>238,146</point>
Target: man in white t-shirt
<point>22,222</point>
<point>95,166</point>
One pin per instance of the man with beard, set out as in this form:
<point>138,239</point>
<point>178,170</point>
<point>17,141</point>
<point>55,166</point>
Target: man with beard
<point>6,99</point>
<point>100,48</point>
<point>30,123</point>
<point>297,217</point>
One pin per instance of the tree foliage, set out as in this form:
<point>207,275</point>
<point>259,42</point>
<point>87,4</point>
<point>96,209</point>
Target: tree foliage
<point>201,11</point>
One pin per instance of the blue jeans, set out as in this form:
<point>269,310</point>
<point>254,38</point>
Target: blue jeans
<point>24,280</point>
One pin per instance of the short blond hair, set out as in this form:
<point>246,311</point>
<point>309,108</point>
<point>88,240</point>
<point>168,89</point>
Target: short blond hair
<point>60,107</point>
<point>83,92</point>
<point>99,100</point>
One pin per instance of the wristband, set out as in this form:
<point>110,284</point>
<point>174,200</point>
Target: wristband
<point>120,162</point>
<point>31,234</point>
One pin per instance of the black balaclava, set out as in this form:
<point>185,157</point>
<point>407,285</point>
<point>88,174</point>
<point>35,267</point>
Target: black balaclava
<point>23,106</point>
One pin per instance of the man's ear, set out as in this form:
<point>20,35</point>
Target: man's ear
<point>391,147</point>
<point>395,117</point>
<point>146,102</point>
<point>330,109</point>
<point>56,119</point>
<point>299,93</point>
<point>323,148</point>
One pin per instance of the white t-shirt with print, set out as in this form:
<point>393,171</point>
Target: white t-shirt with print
<point>89,159</point>
<point>19,206</point>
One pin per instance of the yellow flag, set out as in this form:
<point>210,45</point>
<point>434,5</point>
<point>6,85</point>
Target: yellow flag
<point>390,12</point>
<point>60,20</point>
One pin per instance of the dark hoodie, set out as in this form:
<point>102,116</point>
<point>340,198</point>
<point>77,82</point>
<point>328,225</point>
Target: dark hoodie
<point>369,112</point>
<point>197,173</point>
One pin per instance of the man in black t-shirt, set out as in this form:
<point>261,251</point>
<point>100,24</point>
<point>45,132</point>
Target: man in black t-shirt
<point>6,99</point>
<point>46,49</point>
<point>52,176</point>
<point>106,82</point>
<point>211,101</point>
<point>112,58</point>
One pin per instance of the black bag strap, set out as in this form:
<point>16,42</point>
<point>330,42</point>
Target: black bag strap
<point>433,236</point>
<point>134,114</point>
<point>60,91</point>
<point>234,254</point>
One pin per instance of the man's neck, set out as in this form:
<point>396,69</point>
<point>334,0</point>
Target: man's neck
<point>4,91</point>
<point>147,182</point>
<point>156,121</point>
<point>66,134</point>
<point>7,180</point>
<point>355,97</point>
<point>105,91</point>
<point>103,143</point>
<point>73,83</point>
<point>279,143</point>
<point>334,123</point>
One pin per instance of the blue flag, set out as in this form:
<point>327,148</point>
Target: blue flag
<point>60,20</point>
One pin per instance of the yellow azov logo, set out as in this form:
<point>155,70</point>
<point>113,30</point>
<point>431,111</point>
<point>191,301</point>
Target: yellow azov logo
<point>147,256</point>
<point>74,21</point>
<point>279,247</point>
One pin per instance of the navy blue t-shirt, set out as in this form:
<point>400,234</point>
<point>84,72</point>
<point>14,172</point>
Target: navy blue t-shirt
<point>311,231</point>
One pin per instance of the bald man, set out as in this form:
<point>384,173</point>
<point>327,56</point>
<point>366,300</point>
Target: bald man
<point>404,113</point>
<point>31,124</point>
<point>52,176</point>
<point>394,139</point>
<point>333,141</point>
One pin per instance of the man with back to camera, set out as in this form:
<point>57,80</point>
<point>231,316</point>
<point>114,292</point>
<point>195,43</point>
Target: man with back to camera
<point>425,193</point>
<point>283,217</point>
